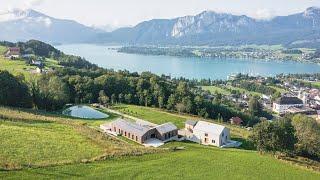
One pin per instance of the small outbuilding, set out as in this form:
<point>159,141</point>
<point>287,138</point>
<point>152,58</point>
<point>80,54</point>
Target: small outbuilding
<point>236,121</point>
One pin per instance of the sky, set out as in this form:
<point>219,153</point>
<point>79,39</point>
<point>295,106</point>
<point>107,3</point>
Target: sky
<point>117,13</point>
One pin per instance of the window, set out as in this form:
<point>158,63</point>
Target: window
<point>115,129</point>
<point>129,135</point>
<point>125,133</point>
<point>206,134</point>
<point>132,136</point>
<point>136,138</point>
<point>213,141</point>
<point>222,134</point>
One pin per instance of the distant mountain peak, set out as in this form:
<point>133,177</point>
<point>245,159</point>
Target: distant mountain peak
<point>312,12</point>
<point>17,14</point>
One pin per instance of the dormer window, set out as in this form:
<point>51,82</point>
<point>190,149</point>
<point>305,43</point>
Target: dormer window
<point>206,134</point>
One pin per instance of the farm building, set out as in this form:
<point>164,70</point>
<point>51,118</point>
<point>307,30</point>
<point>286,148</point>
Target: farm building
<point>141,133</point>
<point>13,53</point>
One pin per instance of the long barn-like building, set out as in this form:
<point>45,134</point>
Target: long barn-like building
<point>141,133</point>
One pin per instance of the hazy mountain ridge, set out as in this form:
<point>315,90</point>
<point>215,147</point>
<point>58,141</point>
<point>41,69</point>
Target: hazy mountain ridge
<point>22,25</point>
<point>211,28</point>
<point>207,28</point>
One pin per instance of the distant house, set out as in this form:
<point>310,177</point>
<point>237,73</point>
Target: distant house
<point>236,121</point>
<point>282,105</point>
<point>13,53</point>
<point>141,133</point>
<point>207,133</point>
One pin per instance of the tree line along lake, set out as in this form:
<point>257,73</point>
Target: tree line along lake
<point>192,68</point>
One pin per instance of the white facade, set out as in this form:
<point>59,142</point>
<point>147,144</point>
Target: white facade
<point>282,108</point>
<point>209,134</point>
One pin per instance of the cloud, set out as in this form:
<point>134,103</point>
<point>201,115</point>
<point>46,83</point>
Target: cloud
<point>33,3</point>
<point>264,14</point>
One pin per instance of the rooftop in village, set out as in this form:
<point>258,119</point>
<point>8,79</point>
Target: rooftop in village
<point>289,100</point>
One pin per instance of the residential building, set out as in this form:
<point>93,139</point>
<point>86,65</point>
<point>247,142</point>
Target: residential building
<point>13,53</point>
<point>236,121</point>
<point>207,133</point>
<point>284,103</point>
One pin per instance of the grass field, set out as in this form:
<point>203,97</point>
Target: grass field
<point>40,144</point>
<point>195,162</point>
<point>32,139</point>
<point>227,90</point>
<point>316,84</point>
<point>214,89</point>
<point>151,115</point>
<point>3,50</point>
<point>158,116</point>
<point>16,67</point>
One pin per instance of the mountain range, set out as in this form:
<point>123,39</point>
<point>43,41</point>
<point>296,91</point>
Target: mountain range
<point>207,28</point>
<point>23,25</point>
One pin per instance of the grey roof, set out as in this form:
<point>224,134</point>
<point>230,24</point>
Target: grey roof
<point>167,127</point>
<point>209,128</point>
<point>191,122</point>
<point>289,100</point>
<point>131,127</point>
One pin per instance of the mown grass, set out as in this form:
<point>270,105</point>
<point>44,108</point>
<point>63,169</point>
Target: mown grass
<point>151,115</point>
<point>16,67</point>
<point>38,144</point>
<point>33,139</point>
<point>316,84</point>
<point>159,116</point>
<point>214,89</point>
<point>195,162</point>
<point>3,50</point>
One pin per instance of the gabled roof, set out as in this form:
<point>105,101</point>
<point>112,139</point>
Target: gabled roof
<point>131,127</point>
<point>289,100</point>
<point>209,127</point>
<point>191,122</point>
<point>167,127</point>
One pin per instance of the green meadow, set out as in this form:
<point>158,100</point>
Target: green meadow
<point>33,139</point>
<point>194,162</point>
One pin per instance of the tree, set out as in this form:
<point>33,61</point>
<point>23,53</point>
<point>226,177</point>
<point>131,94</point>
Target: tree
<point>180,107</point>
<point>171,102</point>
<point>13,91</point>
<point>255,107</point>
<point>275,136</point>
<point>218,98</point>
<point>307,131</point>
<point>113,99</point>
<point>49,92</point>
<point>103,98</point>
<point>188,104</point>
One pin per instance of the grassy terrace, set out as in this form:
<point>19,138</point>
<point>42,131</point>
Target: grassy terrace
<point>158,116</point>
<point>34,139</point>
<point>195,162</point>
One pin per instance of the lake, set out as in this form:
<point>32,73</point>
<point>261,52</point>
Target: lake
<point>84,112</point>
<point>192,68</point>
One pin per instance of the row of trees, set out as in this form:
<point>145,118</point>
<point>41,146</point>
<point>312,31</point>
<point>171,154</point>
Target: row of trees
<point>70,85</point>
<point>291,135</point>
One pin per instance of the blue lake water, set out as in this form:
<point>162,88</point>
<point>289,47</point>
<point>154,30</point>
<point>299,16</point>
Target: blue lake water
<point>84,112</point>
<point>192,68</point>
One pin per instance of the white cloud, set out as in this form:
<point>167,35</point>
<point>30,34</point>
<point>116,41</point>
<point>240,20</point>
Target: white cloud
<point>28,4</point>
<point>264,14</point>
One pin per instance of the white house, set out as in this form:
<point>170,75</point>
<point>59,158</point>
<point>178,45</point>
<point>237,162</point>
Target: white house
<point>207,133</point>
<point>282,105</point>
